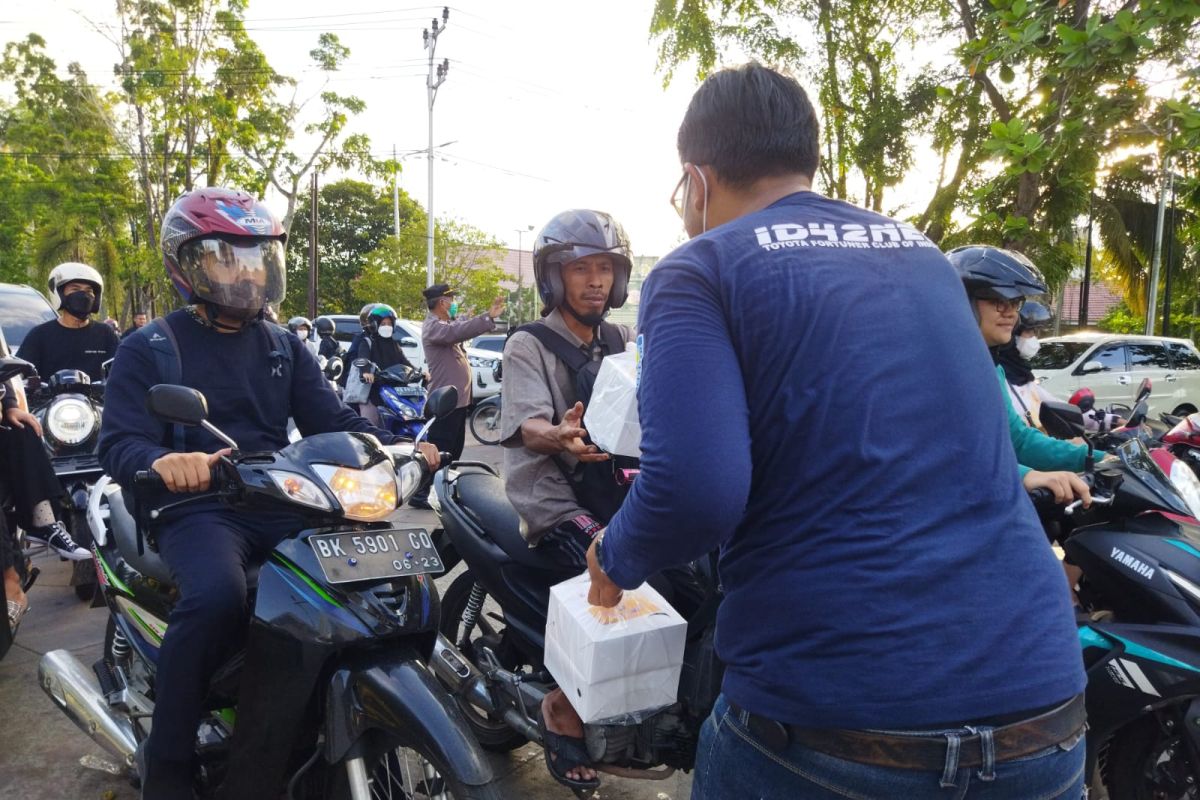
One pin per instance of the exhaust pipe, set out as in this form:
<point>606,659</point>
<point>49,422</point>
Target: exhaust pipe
<point>76,691</point>
<point>466,682</point>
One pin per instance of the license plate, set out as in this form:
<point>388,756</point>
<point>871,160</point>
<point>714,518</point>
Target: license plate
<point>375,555</point>
<point>408,390</point>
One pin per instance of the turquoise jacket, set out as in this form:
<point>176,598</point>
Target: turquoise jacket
<point>1036,450</point>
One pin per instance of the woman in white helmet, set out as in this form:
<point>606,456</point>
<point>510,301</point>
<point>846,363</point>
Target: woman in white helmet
<point>74,340</point>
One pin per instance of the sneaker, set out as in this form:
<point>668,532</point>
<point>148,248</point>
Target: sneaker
<point>57,539</point>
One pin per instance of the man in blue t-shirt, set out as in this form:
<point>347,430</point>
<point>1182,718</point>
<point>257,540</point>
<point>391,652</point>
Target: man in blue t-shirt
<point>883,567</point>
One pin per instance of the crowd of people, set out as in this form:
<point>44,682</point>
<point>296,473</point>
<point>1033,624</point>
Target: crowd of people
<point>861,509</point>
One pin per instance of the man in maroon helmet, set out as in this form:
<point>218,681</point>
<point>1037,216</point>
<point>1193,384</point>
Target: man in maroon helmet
<point>224,252</point>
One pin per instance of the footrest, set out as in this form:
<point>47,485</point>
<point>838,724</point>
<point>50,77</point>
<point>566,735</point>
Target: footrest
<point>110,682</point>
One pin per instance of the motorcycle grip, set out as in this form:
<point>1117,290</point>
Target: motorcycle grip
<point>1042,497</point>
<point>148,479</point>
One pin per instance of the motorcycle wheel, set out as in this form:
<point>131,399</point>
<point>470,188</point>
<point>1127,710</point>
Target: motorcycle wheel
<point>492,733</point>
<point>404,773</point>
<point>1147,761</point>
<point>485,423</point>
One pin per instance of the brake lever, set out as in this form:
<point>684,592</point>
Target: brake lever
<point>1099,500</point>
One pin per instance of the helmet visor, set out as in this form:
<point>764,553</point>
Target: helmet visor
<point>235,273</point>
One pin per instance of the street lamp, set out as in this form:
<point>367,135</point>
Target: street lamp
<point>520,282</point>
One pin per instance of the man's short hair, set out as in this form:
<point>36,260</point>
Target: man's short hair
<point>750,122</point>
<point>431,303</point>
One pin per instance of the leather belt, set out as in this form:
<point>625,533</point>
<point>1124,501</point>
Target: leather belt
<point>925,751</point>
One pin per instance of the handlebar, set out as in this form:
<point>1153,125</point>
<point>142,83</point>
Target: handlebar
<point>148,479</point>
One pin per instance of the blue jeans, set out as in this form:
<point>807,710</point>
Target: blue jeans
<point>733,765</point>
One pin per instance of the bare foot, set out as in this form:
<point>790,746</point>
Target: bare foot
<point>561,718</point>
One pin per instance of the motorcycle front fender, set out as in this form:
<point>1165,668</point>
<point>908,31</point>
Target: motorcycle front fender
<point>395,694</point>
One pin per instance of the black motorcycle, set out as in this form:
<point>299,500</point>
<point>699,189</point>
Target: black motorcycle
<point>491,651</point>
<point>10,369</point>
<point>70,406</point>
<point>331,692</point>
<point>1139,549</point>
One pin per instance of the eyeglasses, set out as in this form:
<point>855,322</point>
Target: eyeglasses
<point>679,196</point>
<point>1002,306</point>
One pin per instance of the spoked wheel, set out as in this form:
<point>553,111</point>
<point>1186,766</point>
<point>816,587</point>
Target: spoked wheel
<point>463,600</point>
<point>406,774</point>
<point>485,423</point>
<point>1149,760</point>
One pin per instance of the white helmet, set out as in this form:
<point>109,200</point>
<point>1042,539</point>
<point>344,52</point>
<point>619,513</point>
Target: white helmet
<point>73,271</point>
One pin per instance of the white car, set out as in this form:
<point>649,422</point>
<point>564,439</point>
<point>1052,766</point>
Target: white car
<point>486,366</point>
<point>1112,366</point>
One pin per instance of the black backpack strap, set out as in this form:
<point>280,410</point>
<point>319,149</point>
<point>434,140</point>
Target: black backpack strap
<point>611,339</point>
<point>569,354</point>
<point>168,363</point>
<point>279,350</point>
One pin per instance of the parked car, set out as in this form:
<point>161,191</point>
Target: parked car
<point>486,366</point>
<point>22,308</point>
<point>1112,365</point>
<point>490,341</point>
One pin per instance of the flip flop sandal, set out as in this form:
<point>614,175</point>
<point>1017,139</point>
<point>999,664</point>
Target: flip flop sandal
<point>15,612</point>
<point>564,753</point>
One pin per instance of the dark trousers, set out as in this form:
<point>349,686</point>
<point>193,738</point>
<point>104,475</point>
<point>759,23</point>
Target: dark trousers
<point>449,433</point>
<point>207,552</point>
<point>25,472</point>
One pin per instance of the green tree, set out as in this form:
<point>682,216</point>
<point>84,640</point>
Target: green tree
<point>355,218</point>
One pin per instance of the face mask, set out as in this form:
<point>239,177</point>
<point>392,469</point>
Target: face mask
<point>302,333</point>
<point>78,304</point>
<point>1028,346</point>
<point>386,331</point>
<point>453,310</point>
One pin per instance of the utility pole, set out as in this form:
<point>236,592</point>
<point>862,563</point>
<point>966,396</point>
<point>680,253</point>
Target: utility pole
<point>1086,287</point>
<point>1166,325</point>
<point>520,280</point>
<point>1156,260</point>
<point>312,249</point>
<point>432,83</point>
<point>395,192</point>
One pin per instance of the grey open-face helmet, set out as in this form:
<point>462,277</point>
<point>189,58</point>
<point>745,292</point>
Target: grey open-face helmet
<point>572,235</point>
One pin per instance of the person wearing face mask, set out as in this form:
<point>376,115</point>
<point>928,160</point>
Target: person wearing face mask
<point>224,252</point>
<point>303,330</point>
<point>1026,393</point>
<point>74,340</point>
<point>380,346</point>
<point>442,335</point>
<point>894,623</point>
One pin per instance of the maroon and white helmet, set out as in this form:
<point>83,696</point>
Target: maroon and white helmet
<point>224,247</point>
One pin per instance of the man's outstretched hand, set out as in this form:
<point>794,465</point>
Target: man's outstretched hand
<point>570,433</point>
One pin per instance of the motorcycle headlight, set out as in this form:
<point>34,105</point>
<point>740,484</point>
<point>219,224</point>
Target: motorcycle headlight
<point>1183,479</point>
<point>409,477</point>
<point>365,495</point>
<point>404,410</point>
<point>300,489</point>
<point>71,420</point>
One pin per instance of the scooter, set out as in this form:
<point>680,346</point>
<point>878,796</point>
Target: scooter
<point>69,407</point>
<point>331,694</point>
<point>401,398</point>
<point>1139,549</point>
<point>493,663</point>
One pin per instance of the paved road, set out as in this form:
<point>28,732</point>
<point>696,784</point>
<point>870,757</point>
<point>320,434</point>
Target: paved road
<point>43,756</point>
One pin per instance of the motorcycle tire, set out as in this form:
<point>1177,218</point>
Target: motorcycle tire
<point>387,773</point>
<point>485,423</point>
<point>492,734</point>
<point>1139,755</point>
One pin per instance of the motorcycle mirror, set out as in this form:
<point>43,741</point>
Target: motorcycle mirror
<point>1090,367</point>
<point>441,402</point>
<point>178,405</point>
<point>408,341</point>
<point>1061,420</point>
<point>16,368</point>
<point>1085,399</point>
<point>1143,391</point>
<point>1139,414</point>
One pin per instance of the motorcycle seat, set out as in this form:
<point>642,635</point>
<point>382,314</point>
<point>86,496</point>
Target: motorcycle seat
<point>149,563</point>
<point>482,495</point>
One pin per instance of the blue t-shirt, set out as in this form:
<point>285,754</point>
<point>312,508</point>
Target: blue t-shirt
<point>816,400</point>
<point>250,396</point>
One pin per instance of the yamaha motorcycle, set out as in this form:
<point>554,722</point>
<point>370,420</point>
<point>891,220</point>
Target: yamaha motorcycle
<point>1139,549</point>
<point>70,406</point>
<point>492,659</point>
<point>329,692</point>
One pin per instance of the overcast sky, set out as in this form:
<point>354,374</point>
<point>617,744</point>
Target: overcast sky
<point>551,104</point>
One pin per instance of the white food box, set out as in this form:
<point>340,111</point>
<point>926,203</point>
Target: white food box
<point>611,418</point>
<point>614,664</point>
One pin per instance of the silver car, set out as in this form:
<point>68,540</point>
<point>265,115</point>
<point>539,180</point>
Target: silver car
<point>1112,365</point>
